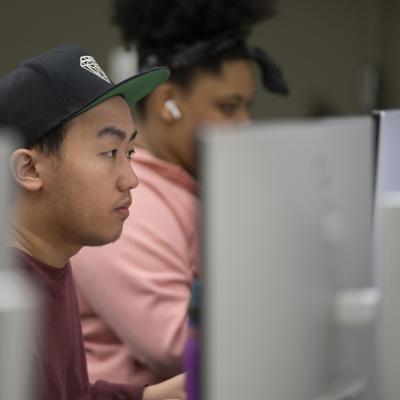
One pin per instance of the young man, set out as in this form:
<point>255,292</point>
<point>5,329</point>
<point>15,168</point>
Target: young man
<point>74,178</point>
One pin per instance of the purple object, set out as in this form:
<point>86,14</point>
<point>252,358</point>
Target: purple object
<point>191,363</point>
<point>191,352</point>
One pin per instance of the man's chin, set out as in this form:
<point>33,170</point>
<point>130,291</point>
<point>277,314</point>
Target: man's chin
<point>97,240</point>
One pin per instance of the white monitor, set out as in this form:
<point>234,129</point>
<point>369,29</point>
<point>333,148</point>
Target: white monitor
<point>388,252</point>
<point>388,175</point>
<point>18,299</point>
<point>285,222</point>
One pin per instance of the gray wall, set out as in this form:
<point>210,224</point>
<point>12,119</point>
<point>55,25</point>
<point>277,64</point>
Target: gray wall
<point>391,53</point>
<point>323,46</point>
<point>28,27</point>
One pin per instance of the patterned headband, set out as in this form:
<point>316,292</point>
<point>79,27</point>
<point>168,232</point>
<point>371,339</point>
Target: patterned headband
<point>190,55</point>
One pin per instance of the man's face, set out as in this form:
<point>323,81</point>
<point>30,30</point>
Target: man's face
<point>87,187</point>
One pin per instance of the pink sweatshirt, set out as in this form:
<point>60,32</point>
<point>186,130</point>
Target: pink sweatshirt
<point>134,293</point>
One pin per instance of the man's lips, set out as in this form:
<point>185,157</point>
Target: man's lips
<point>123,208</point>
<point>125,204</point>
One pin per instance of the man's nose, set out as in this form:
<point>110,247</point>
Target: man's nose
<point>128,179</point>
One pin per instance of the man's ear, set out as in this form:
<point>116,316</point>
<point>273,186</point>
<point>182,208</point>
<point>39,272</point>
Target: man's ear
<point>23,166</point>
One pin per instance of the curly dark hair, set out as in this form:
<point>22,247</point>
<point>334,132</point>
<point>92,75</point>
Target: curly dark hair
<point>162,22</point>
<point>167,24</point>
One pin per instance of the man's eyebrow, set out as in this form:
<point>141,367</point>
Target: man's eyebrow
<point>111,130</point>
<point>133,135</point>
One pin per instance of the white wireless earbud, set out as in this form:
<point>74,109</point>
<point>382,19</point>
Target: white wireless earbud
<point>171,106</point>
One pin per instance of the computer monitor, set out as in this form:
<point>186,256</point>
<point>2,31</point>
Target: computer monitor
<point>285,223</point>
<point>387,233</point>
<point>18,299</point>
<point>388,166</point>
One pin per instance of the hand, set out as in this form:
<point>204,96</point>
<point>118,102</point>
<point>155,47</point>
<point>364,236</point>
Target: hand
<point>172,389</point>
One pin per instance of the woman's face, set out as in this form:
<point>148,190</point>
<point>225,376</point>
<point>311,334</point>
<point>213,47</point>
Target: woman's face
<point>218,99</point>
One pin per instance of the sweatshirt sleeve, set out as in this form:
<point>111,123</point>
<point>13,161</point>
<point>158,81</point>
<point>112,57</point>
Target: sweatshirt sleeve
<point>102,390</point>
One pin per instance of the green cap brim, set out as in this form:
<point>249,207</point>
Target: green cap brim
<point>133,89</point>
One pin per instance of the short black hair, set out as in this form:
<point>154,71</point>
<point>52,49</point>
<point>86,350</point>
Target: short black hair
<point>51,143</point>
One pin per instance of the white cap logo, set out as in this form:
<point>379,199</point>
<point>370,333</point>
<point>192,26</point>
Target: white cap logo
<point>90,64</point>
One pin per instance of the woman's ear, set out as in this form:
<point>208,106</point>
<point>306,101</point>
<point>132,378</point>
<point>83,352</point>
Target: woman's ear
<point>167,102</point>
<point>23,166</point>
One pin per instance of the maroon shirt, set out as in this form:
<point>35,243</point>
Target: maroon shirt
<point>60,355</point>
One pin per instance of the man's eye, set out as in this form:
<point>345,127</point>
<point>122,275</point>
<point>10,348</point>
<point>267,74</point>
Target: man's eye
<point>130,154</point>
<point>111,153</point>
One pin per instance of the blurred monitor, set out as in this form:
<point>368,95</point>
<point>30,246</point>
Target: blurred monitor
<point>388,251</point>
<point>388,170</point>
<point>285,223</point>
<point>18,299</point>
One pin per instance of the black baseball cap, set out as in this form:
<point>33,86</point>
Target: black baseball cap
<point>53,87</point>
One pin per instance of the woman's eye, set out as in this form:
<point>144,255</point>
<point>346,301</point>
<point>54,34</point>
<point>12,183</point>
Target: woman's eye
<point>228,109</point>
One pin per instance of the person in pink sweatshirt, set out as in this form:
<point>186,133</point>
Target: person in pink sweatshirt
<point>73,181</point>
<point>134,293</point>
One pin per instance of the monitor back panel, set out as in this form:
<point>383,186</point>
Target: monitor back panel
<point>286,214</point>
